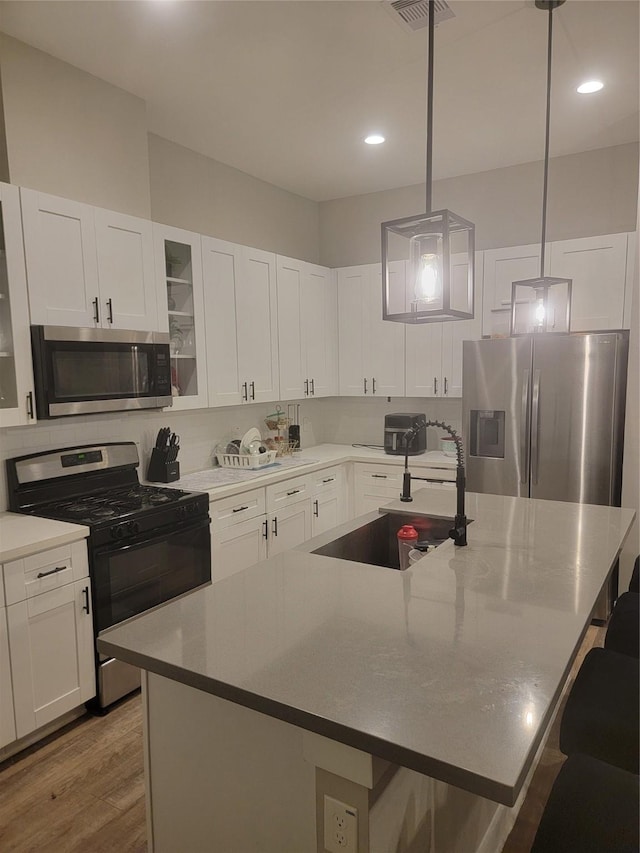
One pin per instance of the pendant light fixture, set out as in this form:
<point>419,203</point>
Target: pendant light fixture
<point>438,247</point>
<point>542,304</point>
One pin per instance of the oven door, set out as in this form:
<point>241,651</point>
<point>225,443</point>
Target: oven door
<point>131,577</point>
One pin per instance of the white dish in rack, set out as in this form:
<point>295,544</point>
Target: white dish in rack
<point>251,435</point>
<point>246,461</point>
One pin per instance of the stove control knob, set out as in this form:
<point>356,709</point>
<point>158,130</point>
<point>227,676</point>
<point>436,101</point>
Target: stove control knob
<point>182,511</point>
<point>117,531</point>
<point>134,527</point>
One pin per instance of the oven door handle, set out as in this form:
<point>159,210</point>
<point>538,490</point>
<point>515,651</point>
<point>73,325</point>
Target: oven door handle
<point>141,540</point>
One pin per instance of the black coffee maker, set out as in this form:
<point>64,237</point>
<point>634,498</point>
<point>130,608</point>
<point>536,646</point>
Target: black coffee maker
<point>395,427</point>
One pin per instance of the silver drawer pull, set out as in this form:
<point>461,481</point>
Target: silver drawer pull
<point>240,509</point>
<point>293,492</point>
<point>52,572</point>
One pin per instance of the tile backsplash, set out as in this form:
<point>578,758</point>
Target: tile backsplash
<point>338,420</point>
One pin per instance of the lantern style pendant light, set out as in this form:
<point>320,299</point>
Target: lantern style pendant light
<point>542,304</point>
<point>438,247</point>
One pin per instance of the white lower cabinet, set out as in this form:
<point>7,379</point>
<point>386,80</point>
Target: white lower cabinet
<point>7,715</point>
<point>50,629</point>
<point>261,523</point>
<point>376,485</point>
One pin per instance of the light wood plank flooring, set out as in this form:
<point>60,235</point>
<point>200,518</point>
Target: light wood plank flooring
<point>82,789</point>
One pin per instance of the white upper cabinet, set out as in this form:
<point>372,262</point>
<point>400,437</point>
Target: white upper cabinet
<point>307,329</point>
<point>241,323</point>
<point>434,350</point>
<point>501,268</point>
<point>16,373</point>
<point>181,312</point>
<point>597,267</point>
<point>371,349</point>
<point>61,258</point>
<point>87,266</point>
<point>126,273</point>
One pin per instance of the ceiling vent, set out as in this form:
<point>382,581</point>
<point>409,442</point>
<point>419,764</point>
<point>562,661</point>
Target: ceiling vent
<point>414,14</point>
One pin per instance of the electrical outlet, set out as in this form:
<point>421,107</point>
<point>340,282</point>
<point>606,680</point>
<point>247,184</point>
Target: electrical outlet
<point>340,827</point>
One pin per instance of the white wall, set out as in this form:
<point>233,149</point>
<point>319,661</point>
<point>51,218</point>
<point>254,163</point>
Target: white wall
<point>71,134</point>
<point>591,193</point>
<point>195,192</point>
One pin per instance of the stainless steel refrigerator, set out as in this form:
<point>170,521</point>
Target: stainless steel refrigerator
<point>543,416</point>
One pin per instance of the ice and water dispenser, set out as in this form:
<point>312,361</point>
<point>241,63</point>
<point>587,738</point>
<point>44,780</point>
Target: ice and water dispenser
<point>486,438</point>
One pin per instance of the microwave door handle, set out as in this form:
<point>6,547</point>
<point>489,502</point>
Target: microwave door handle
<point>135,371</point>
<point>524,444</point>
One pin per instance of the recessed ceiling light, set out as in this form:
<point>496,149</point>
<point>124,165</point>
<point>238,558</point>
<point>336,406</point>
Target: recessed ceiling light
<point>374,139</point>
<point>590,86</point>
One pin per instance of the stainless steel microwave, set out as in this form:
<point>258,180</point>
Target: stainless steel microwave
<point>84,371</point>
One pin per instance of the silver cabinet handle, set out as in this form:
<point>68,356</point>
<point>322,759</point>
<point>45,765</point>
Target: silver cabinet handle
<point>524,419</point>
<point>365,385</point>
<point>535,425</point>
<point>316,510</point>
<point>435,386</point>
<point>52,572</point>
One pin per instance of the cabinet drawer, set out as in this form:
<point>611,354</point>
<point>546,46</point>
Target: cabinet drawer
<point>44,572</point>
<point>287,493</point>
<point>329,480</point>
<point>231,510</point>
<point>382,475</point>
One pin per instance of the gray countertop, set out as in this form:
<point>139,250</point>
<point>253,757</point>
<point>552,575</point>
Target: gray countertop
<point>452,668</point>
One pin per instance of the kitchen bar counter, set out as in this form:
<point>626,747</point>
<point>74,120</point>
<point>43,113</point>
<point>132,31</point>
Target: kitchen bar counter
<point>452,669</point>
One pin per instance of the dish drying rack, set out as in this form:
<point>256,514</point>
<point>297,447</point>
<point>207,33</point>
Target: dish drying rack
<point>246,461</point>
<point>279,422</point>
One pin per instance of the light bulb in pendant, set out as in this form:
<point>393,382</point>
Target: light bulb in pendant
<point>429,278</point>
<point>540,312</point>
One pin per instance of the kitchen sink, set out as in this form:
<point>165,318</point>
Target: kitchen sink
<point>374,539</point>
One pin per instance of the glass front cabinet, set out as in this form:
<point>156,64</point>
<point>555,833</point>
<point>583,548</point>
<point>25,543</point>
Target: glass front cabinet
<point>16,370</point>
<point>181,313</point>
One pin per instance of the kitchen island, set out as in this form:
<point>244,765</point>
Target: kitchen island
<point>420,698</point>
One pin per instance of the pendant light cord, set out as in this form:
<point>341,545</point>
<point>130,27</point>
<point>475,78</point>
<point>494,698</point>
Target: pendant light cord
<point>432,12</point>
<point>546,144</point>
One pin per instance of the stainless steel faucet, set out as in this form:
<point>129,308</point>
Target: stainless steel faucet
<point>459,530</point>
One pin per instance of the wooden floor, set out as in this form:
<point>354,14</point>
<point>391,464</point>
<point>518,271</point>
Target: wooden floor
<point>82,789</point>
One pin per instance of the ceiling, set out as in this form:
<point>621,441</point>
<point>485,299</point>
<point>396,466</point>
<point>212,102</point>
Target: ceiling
<point>286,91</point>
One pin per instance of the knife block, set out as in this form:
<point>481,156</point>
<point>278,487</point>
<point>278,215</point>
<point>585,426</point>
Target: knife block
<point>160,469</point>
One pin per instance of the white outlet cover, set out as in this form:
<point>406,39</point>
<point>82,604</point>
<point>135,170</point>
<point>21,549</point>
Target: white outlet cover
<point>340,827</point>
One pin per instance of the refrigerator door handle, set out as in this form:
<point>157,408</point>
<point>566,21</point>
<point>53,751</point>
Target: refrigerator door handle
<point>524,420</point>
<point>535,425</point>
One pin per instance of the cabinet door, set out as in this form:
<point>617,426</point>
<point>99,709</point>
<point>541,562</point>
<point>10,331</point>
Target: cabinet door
<point>455,332</point>
<point>237,547</point>
<point>62,266</point>
<point>256,302</point>
<point>52,654</point>
<point>291,329</point>
<point>221,269</point>
<point>180,292</point>
<point>384,341</point>
<point>16,369</point>
<point>126,272</point>
<point>327,512</point>
<point>289,527</point>
<point>7,717</point>
<point>501,268</point>
<point>424,360</point>
<point>597,267</point>
<point>320,331</point>
<point>352,283</point>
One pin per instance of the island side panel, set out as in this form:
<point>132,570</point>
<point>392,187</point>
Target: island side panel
<point>224,777</point>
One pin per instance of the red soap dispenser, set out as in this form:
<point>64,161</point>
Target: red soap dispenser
<point>407,538</point>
